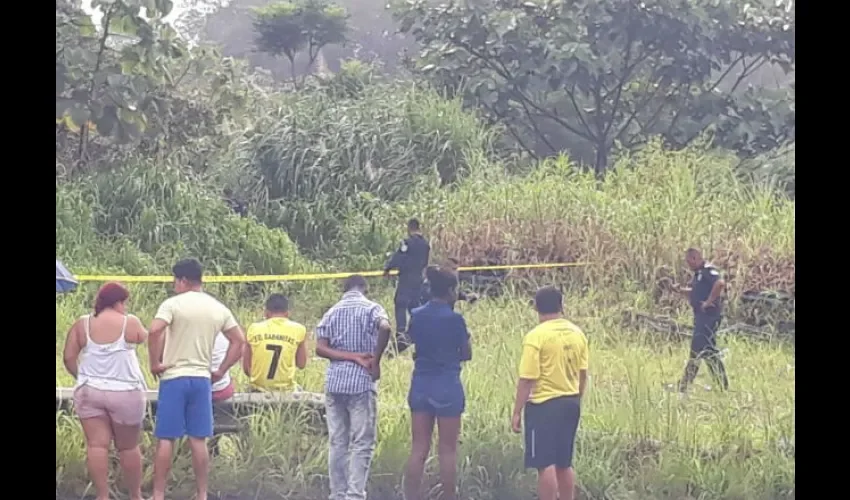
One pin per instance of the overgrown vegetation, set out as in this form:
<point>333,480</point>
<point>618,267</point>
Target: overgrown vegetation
<point>330,171</point>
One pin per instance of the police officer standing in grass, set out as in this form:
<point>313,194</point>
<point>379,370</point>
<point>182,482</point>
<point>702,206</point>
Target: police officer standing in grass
<point>410,260</point>
<point>705,296</point>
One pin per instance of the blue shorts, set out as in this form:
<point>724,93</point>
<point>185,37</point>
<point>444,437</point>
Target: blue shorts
<point>184,408</point>
<point>437,396</point>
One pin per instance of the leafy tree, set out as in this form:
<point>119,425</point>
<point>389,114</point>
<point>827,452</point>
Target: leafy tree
<point>106,78</point>
<point>290,28</point>
<point>598,73</point>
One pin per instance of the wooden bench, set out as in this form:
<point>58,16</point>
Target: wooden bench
<point>228,415</point>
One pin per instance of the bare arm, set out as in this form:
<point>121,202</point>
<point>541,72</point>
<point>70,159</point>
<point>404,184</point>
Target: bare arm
<point>466,347</point>
<point>156,344</point>
<point>236,338</point>
<point>523,391</point>
<point>136,333</point>
<point>384,331</point>
<point>301,355</point>
<point>582,382</point>
<point>247,356</point>
<point>324,350</point>
<point>71,353</point>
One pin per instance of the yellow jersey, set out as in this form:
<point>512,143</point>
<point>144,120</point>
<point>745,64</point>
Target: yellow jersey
<point>274,343</point>
<point>553,354</point>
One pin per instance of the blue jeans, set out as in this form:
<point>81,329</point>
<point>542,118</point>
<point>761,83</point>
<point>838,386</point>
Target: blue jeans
<point>352,425</point>
<point>184,407</point>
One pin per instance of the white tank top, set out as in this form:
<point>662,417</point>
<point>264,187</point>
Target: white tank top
<point>110,367</point>
<point>219,353</point>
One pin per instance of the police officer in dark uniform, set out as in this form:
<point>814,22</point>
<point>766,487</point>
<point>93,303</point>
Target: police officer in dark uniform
<point>410,260</point>
<point>705,296</point>
<point>451,265</point>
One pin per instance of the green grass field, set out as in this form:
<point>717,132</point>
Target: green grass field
<point>636,440</point>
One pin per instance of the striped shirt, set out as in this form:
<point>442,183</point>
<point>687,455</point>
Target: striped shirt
<point>351,325</point>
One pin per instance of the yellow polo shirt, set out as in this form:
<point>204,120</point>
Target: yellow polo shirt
<point>553,354</point>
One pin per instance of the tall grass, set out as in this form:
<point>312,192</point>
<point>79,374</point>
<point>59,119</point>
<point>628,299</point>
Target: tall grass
<point>635,441</point>
<point>648,210</point>
<point>313,155</point>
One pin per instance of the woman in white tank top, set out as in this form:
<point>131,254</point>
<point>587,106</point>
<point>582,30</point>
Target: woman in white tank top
<point>109,396</point>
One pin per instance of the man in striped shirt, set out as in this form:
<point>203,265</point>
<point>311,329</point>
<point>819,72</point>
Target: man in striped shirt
<point>353,335</point>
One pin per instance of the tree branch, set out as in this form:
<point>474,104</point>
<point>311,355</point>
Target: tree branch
<point>84,128</point>
<point>519,96</point>
<point>579,113</point>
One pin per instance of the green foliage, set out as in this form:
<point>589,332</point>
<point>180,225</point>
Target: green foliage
<point>605,72</point>
<point>289,28</point>
<point>108,76</point>
<point>182,100</point>
<point>636,441</point>
<point>314,157</point>
<point>775,169</point>
<point>165,216</point>
<point>352,79</point>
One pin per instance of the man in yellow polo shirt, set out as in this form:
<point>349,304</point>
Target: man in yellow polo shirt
<point>552,380</point>
<point>275,348</point>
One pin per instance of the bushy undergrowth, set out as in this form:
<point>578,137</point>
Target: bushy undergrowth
<point>335,178</point>
<point>140,219</point>
<point>639,219</point>
<point>313,155</point>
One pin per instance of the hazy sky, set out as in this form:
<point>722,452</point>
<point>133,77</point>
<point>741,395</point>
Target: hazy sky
<point>179,7</point>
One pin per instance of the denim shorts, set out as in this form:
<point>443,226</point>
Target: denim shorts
<point>440,396</point>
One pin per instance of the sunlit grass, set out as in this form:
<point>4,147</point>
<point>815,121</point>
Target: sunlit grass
<point>636,440</point>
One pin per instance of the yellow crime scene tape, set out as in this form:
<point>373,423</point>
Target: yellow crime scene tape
<point>311,277</point>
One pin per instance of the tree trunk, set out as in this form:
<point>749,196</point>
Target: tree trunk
<point>601,159</point>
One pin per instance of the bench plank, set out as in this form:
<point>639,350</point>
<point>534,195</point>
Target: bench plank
<point>226,414</point>
<point>257,398</point>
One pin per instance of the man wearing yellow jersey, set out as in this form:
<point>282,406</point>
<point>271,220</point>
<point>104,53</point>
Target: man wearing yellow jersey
<point>552,380</point>
<point>275,347</point>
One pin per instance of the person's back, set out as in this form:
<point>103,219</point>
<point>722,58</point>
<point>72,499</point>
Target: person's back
<point>560,345</point>
<point>352,335</point>
<point>350,326</point>
<point>109,393</point>
<point>274,347</point>
<point>552,381</point>
<point>436,393</point>
<point>109,361</point>
<point>180,349</point>
<point>440,336</point>
<point>410,260</point>
<point>223,389</point>
<point>195,319</point>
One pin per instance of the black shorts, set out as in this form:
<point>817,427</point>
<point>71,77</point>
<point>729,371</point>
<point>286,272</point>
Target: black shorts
<point>550,432</point>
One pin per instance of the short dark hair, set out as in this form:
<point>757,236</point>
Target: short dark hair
<point>413,224</point>
<point>549,300</point>
<point>189,269</point>
<point>277,303</point>
<point>355,282</point>
<point>441,281</point>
